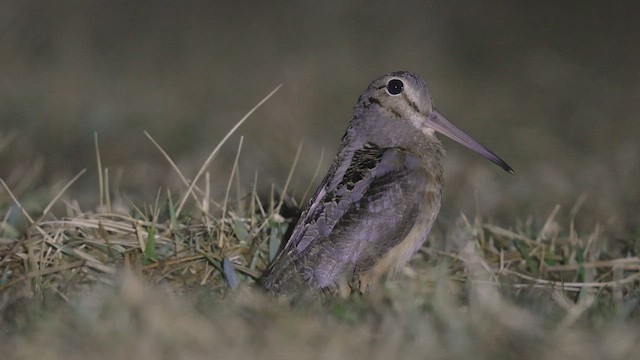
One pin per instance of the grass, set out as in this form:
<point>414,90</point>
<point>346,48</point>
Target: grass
<point>174,279</point>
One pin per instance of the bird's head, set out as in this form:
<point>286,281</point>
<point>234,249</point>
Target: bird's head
<point>400,104</point>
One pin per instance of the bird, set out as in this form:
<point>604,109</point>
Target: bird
<point>376,205</point>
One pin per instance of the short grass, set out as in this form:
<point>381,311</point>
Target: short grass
<point>175,279</point>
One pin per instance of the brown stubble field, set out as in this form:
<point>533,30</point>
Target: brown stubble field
<point>129,261</point>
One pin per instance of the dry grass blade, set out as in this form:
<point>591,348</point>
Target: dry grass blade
<point>632,263</point>
<point>288,181</point>
<point>59,194</point>
<point>175,167</point>
<point>508,233</point>
<point>546,228</point>
<point>3,224</point>
<point>577,285</point>
<point>226,196</point>
<point>222,142</point>
<point>99,164</point>
<point>15,200</point>
<point>38,273</point>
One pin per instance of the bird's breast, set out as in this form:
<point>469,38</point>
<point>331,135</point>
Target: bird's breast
<point>428,198</point>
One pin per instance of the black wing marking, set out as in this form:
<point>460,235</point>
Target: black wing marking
<point>344,184</point>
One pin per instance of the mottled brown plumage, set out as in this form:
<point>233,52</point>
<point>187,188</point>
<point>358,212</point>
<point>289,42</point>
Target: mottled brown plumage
<point>376,205</point>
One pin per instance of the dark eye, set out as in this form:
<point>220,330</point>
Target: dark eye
<point>395,87</point>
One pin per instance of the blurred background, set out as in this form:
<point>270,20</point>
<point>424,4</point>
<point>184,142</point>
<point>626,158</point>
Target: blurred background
<point>552,87</point>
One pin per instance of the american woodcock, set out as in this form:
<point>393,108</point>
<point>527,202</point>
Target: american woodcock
<point>376,205</point>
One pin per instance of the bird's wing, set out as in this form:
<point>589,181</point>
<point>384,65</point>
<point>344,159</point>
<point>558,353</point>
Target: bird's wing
<point>346,182</point>
<point>364,207</point>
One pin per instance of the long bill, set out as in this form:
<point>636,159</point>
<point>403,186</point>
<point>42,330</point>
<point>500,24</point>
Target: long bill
<point>440,124</point>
